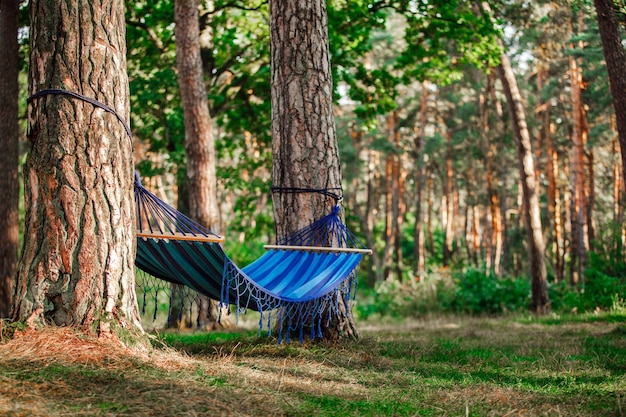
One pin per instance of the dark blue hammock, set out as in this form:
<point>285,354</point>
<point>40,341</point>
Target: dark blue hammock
<point>301,280</point>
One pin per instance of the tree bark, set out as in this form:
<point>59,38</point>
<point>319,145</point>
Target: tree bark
<point>199,140</point>
<point>9,143</point>
<point>531,214</point>
<point>304,141</point>
<point>419,143</point>
<point>448,208</point>
<point>580,244</point>
<point>392,192</point>
<point>78,263</point>
<point>615,58</point>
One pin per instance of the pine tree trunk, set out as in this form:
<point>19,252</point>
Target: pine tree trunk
<point>364,218</point>
<point>531,214</point>
<point>304,141</point>
<point>78,263</point>
<point>429,211</point>
<point>199,141</point>
<point>616,66</point>
<point>554,199</point>
<point>579,214</point>
<point>401,208</point>
<point>448,209</point>
<point>498,220</point>
<point>617,201</point>
<point>418,230</point>
<point>9,141</point>
<point>391,205</point>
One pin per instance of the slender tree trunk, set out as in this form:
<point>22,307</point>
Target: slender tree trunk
<point>476,235</point>
<point>617,201</point>
<point>78,263</point>
<point>591,199</point>
<point>391,200</point>
<point>579,214</point>
<point>375,263</point>
<point>418,231</point>
<point>429,211</point>
<point>199,140</point>
<point>304,142</point>
<point>615,58</point>
<point>554,199</point>
<point>401,208</point>
<point>540,300</point>
<point>498,214</point>
<point>9,141</point>
<point>448,208</point>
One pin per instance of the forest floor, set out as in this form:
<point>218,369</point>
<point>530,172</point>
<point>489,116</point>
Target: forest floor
<point>453,366</point>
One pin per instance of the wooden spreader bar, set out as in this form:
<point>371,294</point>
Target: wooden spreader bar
<point>319,249</point>
<point>180,236</point>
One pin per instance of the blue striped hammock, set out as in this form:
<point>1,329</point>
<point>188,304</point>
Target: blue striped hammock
<point>301,280</point>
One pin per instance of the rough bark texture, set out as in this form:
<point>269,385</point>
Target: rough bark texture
<point>9,140</point>
<point>78,263</point>
<point>199,141</point>
<point>540,299</point>
<point>304,142</point>
<point>616,67</point>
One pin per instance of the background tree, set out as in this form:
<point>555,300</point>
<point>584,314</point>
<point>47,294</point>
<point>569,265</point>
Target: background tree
<point>615,57</point>
<point>9,143</point>
<point>77,266</point>
<point>201,184</point>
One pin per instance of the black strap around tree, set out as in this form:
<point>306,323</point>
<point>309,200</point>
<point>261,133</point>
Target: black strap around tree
<point>58,91</point>
<point>324,191</point>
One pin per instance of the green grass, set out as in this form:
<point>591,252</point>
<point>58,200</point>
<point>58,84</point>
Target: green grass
<point>558,366</point>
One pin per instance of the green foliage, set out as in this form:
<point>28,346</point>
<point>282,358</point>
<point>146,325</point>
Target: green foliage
<point>445,36</point>
<point>410,299</point>
<point>477,293</point>
<point>8,328</point>
<point>602,289</point>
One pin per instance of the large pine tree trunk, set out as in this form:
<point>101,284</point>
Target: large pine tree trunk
<point>616,66</point>
<point>531,214</point>
<point>304,141</point>
<point>9,140</point>
<point>199,141</point>
<point>78,263</point>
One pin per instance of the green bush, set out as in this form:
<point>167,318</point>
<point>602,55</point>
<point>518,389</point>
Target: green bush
<point>477,293</point>
<point>408,299</point>
<point>601,288</point>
